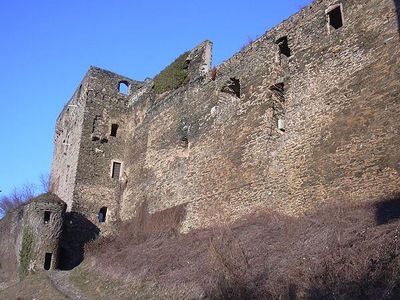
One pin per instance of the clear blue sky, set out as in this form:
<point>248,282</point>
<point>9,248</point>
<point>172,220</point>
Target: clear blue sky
<point>47,46</point>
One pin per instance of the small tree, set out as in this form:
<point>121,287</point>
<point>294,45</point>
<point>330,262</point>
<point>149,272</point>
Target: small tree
<point>17,197</point>
<point>44,180</point>
<point>7,204</point>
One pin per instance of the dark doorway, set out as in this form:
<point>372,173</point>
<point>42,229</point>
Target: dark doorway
<point>78,231</point>
<point>102,214</point>
<point>47,260</point>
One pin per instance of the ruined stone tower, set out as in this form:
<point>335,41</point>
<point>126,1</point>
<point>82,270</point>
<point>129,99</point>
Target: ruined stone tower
<point>42,227</point>
<point>306,114</point>
<point>84,144</point>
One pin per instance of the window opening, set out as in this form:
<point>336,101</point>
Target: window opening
<point>102,214</point>
<point>116,169</point>
<point>278,89</point>
<point>232,86</point>
<point>46,217</point>
<point>335,17</point>
<point>47,260</point>
<point>281,125</point>
<point>114,129</point>
<point>284,46</point>
<point>123,87</point>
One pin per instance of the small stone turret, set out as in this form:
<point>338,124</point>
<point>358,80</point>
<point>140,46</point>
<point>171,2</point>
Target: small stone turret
<point>41,232</point>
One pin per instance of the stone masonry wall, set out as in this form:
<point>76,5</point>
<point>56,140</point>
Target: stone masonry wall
<point>10,238</point>
<point>67,145</point>
<point>105,105</point>
<point>44,237</point>
<point>306,114</point>
<point>340,106</point>
<point>46,234</point>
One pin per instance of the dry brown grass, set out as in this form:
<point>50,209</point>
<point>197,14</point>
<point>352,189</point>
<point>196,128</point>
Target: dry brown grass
<point>36,286</point>
<point>338,252</point>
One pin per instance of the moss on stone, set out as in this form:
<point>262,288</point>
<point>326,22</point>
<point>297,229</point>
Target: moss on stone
<point>173,76</point>
<point>26,252</point>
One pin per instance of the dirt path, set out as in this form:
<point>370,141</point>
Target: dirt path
<point>60,280</point>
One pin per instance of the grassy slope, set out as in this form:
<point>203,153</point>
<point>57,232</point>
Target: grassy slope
<point>335,253</point>
<point>36,286</point>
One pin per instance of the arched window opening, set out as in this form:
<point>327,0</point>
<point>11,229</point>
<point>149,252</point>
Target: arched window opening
<point>123,87</point>
<point>102,214</point>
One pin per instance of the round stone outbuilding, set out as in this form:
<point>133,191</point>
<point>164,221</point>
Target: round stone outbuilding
<point>43,223</point>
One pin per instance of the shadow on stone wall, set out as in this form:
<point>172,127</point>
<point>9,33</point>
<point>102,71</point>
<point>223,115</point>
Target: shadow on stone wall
<point>76,233</point>
<point>388,210</point>
<point>397,4</point>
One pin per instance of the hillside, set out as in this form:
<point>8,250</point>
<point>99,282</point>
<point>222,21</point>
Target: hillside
<point>339,252</point>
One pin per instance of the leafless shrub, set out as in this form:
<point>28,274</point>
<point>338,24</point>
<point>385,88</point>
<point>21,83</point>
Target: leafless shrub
<point>20,195</point>
<point>17,197</point>
<point>229,266</point>
<point>7,204</point>
<point>249,41</point>
<point>44,181</point>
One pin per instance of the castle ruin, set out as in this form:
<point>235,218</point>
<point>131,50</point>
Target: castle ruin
<point>307,114</point>
<point>304,115</point>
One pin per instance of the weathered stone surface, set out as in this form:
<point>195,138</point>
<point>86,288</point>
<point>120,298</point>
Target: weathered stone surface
<point>43,218</point>
<point>220,151</point>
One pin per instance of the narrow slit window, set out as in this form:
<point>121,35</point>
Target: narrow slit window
<point>102,214</point>
<point>123,87</point>
<point>284,46</point>
<point>47,260</point>
<point>46,217</point>
<point>335,17</point>
<point>114,129</point>
<point>116,170</point>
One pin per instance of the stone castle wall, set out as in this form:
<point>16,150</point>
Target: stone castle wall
<point>105,106</point>
<point>67,145</point>
<point>216,144</point>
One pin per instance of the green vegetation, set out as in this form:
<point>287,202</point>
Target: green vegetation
<point>26,253</point>
<point>173,76</point>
